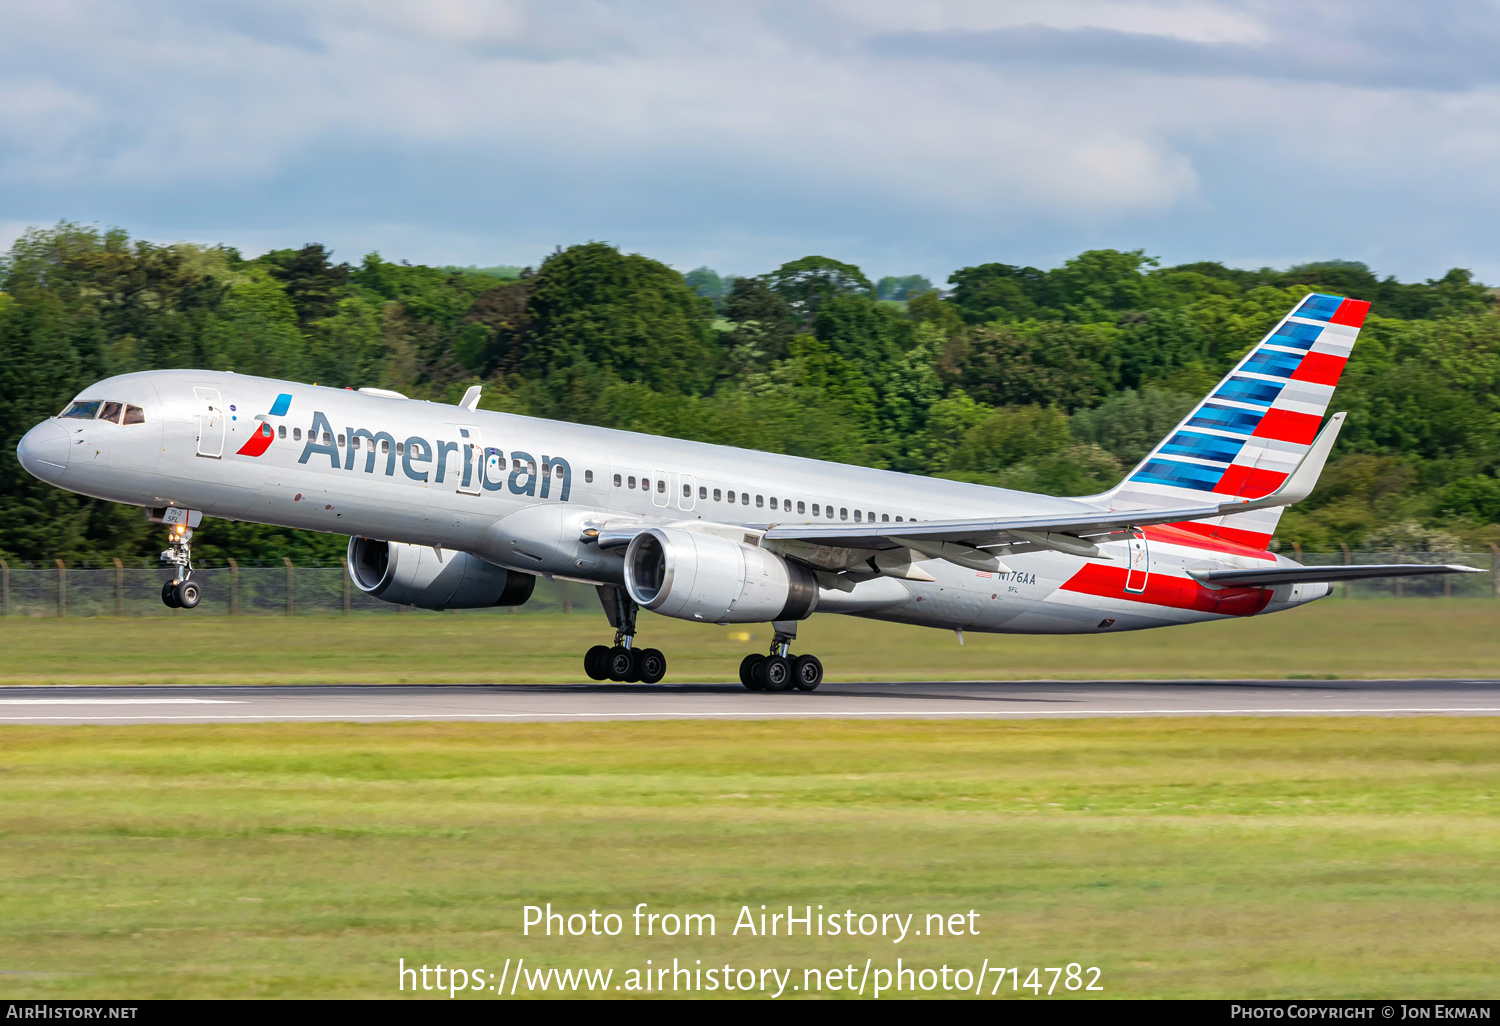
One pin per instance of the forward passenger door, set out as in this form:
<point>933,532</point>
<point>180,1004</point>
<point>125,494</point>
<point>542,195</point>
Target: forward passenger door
<point>210,412</point>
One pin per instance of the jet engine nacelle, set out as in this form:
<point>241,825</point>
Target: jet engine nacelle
<point>415,575</point>
<point>704,577</point>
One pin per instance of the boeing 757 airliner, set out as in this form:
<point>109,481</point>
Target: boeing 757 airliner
<point>451,507</point>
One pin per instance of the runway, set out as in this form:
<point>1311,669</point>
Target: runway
<point>521,703</point>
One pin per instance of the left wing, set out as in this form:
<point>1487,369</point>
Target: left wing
<point>1067,532</point>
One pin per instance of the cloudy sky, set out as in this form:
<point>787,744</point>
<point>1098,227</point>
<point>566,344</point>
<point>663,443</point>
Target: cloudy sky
<point>902,135</point>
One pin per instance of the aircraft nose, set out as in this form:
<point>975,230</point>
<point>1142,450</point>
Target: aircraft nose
<point>43,450</point>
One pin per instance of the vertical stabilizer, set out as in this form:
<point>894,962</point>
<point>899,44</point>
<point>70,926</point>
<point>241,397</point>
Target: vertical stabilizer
<point>1249,434</point>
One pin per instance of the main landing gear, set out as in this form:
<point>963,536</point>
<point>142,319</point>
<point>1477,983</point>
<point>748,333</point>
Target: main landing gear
<point>181,592</point>
<point>623,662</point>
<point>780,670</point>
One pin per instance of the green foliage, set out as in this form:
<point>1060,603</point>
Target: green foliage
<point>904,287</point>
<point>762,330</point>
<point>708,284</point>
<point>1045,380</point>
<point>806,285</point>
<point>505,272</point>
<point>1047,362</point>
<point>626,314</point>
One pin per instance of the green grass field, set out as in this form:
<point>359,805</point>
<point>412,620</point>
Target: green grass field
<point>1374,638</point>
<point>1211,857</point>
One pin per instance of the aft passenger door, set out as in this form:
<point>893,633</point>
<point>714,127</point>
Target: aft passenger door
<point>210,412</point>
<point>1140,564</point>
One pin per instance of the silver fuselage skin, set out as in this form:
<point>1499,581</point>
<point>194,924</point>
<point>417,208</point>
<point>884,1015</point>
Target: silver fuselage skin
<point>473,481</point>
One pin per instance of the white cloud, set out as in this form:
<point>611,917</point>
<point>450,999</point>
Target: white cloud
<point>1193,21</point>
<point>801,101</point>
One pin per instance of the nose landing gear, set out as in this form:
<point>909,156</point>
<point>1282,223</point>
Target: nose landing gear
<point>780,670</point>
<point>623,662</point>
<point>181,592</point>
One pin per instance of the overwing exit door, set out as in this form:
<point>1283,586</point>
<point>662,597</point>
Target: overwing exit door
<point>210,412</point>
<point>1140,564</point>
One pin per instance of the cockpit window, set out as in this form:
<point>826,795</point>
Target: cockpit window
<point>111,412</point>
<point>134,414</point>
<point>86,409</point>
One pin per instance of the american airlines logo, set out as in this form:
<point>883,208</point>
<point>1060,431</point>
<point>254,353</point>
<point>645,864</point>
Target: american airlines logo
<point>423,460</point>
<point>260,441</point>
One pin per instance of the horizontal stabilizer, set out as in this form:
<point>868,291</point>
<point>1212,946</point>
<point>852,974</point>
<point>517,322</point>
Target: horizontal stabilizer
<point>1272,576</point>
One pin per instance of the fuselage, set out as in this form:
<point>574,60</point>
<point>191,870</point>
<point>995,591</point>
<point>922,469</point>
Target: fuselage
<point>521,492</point>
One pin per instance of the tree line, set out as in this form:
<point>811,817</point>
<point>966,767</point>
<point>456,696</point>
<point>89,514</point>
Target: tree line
<point>1052,380</point>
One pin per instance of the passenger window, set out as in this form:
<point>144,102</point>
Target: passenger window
<point>885,518</point>
<point>687,491</point>
<point>759,501</point>
<point>111,413</point>
<point>802,507</point>
<point>588,477</point>
<point>134,414</point>
<point>296,434</point>
<point>718,495</point>
<point>617,480</point>
<point>282,431</point>
<point>355,440</point>
<point>631,481</point>
<point>702,492</point>
<point>868,516</point>
<point>385,445</point>
<point>328,439</point>
<point>773,502</point>
<point>400,448</point>
<point>661,487</point>
<point>731,496</point>
<point>341,439</point>
<point>843,513</point>
<point>856,516</point>
<point>744,498</point>
<point>828,512</point>
<point>83,410</point>
<point>898,520</point>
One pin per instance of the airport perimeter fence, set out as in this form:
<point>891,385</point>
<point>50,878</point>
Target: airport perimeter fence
<point>60,590</point>
<point>234,590</point>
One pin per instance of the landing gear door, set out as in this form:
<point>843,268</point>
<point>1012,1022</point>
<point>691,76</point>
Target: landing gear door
<point>210,411</point>
<point>1140,564</point>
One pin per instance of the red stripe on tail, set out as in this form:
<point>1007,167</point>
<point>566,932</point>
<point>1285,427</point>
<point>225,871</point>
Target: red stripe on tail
<point>1288,426</point>
<point>1351,312</point>
<point>1248,482</point>
<point>1320,368</point>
